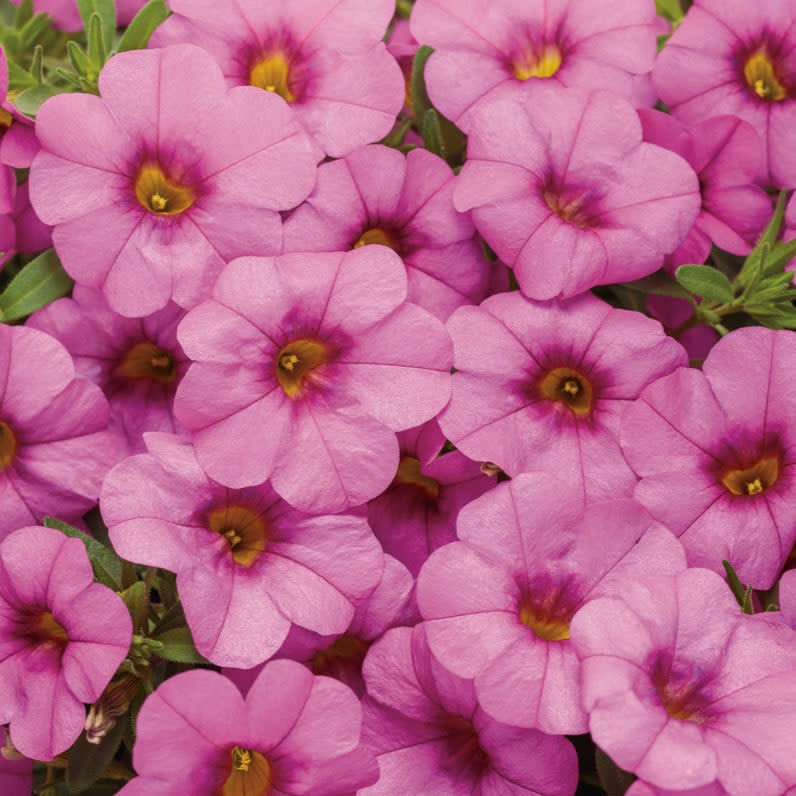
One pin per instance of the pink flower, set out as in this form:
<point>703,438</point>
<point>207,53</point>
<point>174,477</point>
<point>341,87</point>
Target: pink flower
<point>486,45</point>
<point>294,733</point>
<point>62,637</point>
<point>726,154</point>
<point>431,736</point>
<point>498,604</point>
<point>684,690</point>
<point>737,59</point>
<point>32,234</point>
<point>127,9</point>
<point>18,142</point>
<point>542,386</point>
<point>54,446</point>
<point>65,13</point>
<point>715,450</point>
<point>248,566</point>
<point>417,513</point>
<point>16,777</point>
<point>136,361</point>
<point>566,192</point>
<point>325,57</point>
<point>787,597</point>
<point>153,186</point>
<point>314,361</point>
<point>676,315</point>
<point>376,195</point>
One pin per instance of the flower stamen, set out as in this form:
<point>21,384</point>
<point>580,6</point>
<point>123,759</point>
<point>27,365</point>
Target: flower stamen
<point>161,195</point>
<point>8,445</point>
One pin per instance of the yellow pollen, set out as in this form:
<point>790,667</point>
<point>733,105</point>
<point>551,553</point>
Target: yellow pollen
<point>5,118</point>
<point>409,473</point>
<point>754,487</point>
<point>571,386</point>
<point>147,361</point>
<point>47,630</point>
<point>249,774</point>
<point>376,235</point>
<point>568,387</point>
<point>534,64</point>
<point>161,195</point>
<point>8,445</point>
<point>753,480</point>
<point>544,627</point>
<point>272,73</point>
<point>762,78</point>
<point>296,364</point>
<point>244,759</point>
<point>244,530</point>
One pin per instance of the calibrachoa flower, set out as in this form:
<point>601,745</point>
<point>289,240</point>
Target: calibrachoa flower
<point>325,57</point>
<point>248,565</point>
<point>726,154</point>
<point>54,445</point>
<point>294,733</point>
<point>677,317</point>
<point>431,736</point>
<point>787,597</point>
<point>65,13</point>
<point>341,656</point>
<point>18,142</point>
<point>542,386</point>
<point>155,184</point>
<point>32,234</point>
<point>304,367</point>
<point>684,690</point>
<point>377,195</point>
<point>136,361</point>
<point>62,637</point>
<point>715,451</point>
<point>737,59</point>
<point>16,777</point>
<point>417,513</point>
<point>484,45</point>
<point>499,603</point>
<point>564,189</point>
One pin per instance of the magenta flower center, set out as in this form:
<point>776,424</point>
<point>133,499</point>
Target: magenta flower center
<point>547,615</point>
<point>680,691</point>
<point>573,205</point>
<point>345,653</point>
<point>244,530</point>
<point>761,76</point>
<point>44,629</point>
<point>249,774</point>
<point>537,61</point>
<point>464,752</point>
<point>6,118</point>
<point>409,474</point>
<point>272,72</point>
<point>569,388</point>
<point>755,479</point>
<point>147,361</point>
<point>380,236</point>
<point>296,365</point>
<point>160,194</point>
<point>8,445</point>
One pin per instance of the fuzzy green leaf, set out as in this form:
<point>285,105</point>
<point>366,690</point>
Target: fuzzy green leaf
<point>705,281</point>
<point>178,646</point>
<point>139,31</point>
<point>40,282</point>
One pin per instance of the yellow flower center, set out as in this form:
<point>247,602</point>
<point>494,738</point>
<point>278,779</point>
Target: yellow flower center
<point>47,630</point>
<point>409,474</point>
<point>296,362</point>
<point>345,650</point>
<point>161,195</point>
<point>538,63</point>
<point>762,78</point>
<point>8,445</point>
<point>376,235</point>
<point>148,361</point>
<point>543,623</point>
<point>272,73</point>
<point>570,388</point>
<point>5,118</point>
<point>244,530</point>
<point>753,480</point>
<point>249,774</point>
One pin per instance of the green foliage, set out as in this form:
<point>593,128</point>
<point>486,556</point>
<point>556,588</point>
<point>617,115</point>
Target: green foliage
<point>139,31</point>
<point>40,282</point>
<point>706,282</point>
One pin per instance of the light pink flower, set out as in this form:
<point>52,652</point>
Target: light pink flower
<point>136,361</point>
<point>314,361</point>
<point>18,142</point>
<point>563,188</point>
<point>676,315</point>
<point>376,195</point>
<point>542,386</point>
<point>154,185</point>
<point>684,690</point>
<point>514,46</point>
<point>737,59</point>
<point>787,597</point>
<point>54,446</point>
<point>431,736</point>
<point>325,57</point>
<point>498,604</point>
<point>62,637</point>
<point>65,13</point>
<point>32,234</point>
<point>293,734</point>
<point>715,452</point>
<point>248,566</point>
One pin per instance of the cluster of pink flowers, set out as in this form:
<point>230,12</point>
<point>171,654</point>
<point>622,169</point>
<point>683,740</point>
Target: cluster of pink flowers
<point>374,442</point>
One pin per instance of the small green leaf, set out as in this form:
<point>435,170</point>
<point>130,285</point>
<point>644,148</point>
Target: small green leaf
<point>766,243</point>
<point>779,256</point>
<point>37,64</point>
<point>139,31</point>
<point>97,43</point>
<point>106,11</point>
<point>741,594</point>
<point>106,564</point>
<point>78,59</point>
<point>421,104</point>
<point>31,99</point>
<point>40,282</point>
<point>660,284</point>
<point>23,13</point>
<point>178,646</point>
<point>669,9</point>
<point>87,761</point>
<point>136,598</point>
<point>19,78</point>
<point>432,133</point>
<point>705,281</point>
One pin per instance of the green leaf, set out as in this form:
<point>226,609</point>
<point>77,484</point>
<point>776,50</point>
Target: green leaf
<point>669,9</point>
<point>660,284</point>
<point>136,598</point>
<point>19,78</point>
<point>106,11</point>
<point>87,761</point>
<point>106,564</point>
<point>23,13</point>
<point>615,781</point>
<point>766,243</point>
<point>705,281</point>
<point>741,594</point>
<point>98,45</point>
<point>40,282</point>
<point>421,104</point>
<point>779,256</point>
<point>79,60</point>
<point>37,64</point>
<point>178,646</point>
<point>432,133</point>
<point>31,99</point>
<point>139,31</point>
